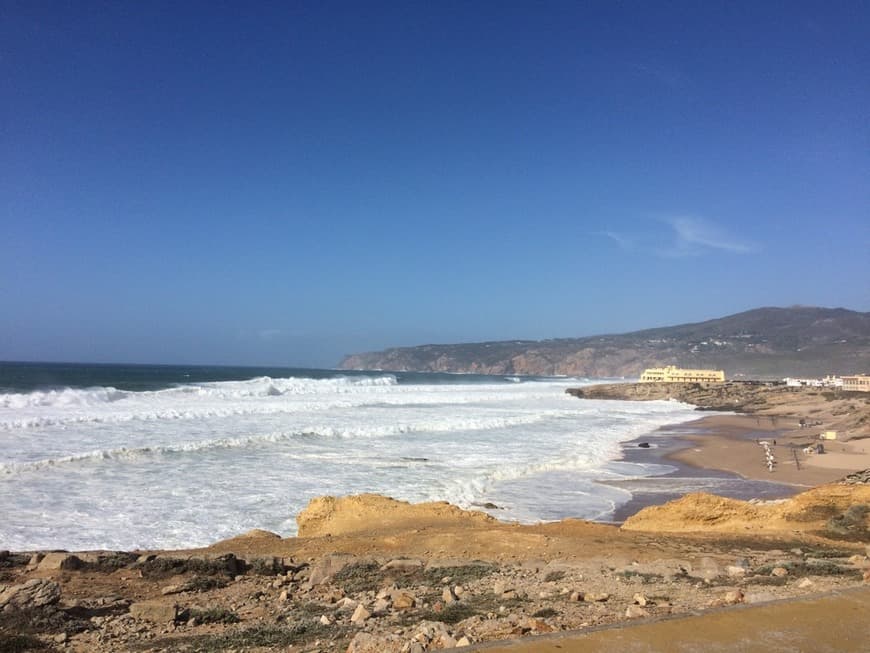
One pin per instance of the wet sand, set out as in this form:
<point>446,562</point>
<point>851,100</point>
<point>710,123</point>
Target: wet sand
<point>666,448</point>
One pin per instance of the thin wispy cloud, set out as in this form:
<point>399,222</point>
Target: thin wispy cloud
<point>623,241</point>
<point>682,236</point>
<point>693,236</point>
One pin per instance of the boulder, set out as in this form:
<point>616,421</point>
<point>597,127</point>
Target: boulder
<point>376,513</point>
<point>154,611</point>
<point>57,560</point>
<point>35,593</point>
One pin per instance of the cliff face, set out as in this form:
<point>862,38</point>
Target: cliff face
<point>765,342</point>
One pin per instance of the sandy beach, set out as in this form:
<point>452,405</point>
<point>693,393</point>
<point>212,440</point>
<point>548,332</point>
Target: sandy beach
<point>731,443</point>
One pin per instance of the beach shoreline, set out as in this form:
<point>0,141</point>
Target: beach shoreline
<point>791,420</point>
<point>731,443</point>
<point>368,573</point>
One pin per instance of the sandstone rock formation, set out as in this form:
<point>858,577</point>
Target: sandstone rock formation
<point>810,511</point>
<point>373,513</point>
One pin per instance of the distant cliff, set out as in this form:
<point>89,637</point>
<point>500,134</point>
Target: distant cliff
<point>764,342</point>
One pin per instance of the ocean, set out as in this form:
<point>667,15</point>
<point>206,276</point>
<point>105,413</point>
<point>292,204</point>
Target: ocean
<point>151,456</point>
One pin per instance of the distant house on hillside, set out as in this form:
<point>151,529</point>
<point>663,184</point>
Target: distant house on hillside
<point>673,374</point>
<point>827,382</point>
<point>857,383</point>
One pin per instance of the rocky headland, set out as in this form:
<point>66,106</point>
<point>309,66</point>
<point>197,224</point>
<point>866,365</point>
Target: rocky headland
<point>846,412</point>
<point>761,343</point>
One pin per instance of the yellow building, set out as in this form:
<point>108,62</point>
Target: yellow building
<point>673,374</point>
<point>857,383</point>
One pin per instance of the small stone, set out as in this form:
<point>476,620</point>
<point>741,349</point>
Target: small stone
<point>360,615</point>
<point>499,587</point>
<point>592,597</point>
<point>403,600</point>
<point>575,596</point>
<point>325,620</point>
<point>635,612</point>
<point>463,641</point>
<point>735,571</point>
<point>60,638</point>
<point>640,599</point>
<point>449,596</point>
<point>381,605</point>
<point>733,596</point>
<point>385,592</point>
<point>779,572</point>
<point>805,583</point>
<point>347,604</point>
<point>284,596</point>
<point>172,589</point>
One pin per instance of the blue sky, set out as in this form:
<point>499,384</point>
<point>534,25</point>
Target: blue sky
<point>283,183</point>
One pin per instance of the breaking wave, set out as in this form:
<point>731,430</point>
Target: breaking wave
<point>445,425</point>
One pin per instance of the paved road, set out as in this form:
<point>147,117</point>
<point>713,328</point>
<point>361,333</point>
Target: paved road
<point>833,623</point>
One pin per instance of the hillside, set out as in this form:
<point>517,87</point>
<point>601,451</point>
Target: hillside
<point>764,342</point>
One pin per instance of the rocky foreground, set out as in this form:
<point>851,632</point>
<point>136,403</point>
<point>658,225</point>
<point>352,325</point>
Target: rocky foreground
<point>369,573</point>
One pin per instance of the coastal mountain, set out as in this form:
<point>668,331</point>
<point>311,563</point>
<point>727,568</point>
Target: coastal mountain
<point>761,343</point>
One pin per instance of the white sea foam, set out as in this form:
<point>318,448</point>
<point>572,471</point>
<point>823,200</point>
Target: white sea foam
<point>185,466</point>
